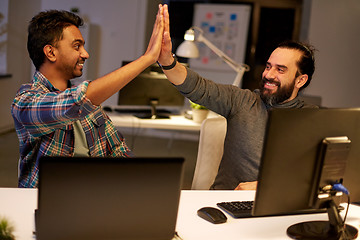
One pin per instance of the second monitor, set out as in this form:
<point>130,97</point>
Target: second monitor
<point>151,95</point>
<point>308,155</point>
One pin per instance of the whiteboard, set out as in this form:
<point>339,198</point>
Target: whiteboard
<point>226,26</point>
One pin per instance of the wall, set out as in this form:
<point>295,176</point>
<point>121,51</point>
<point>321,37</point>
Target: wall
<point>120,28</point>
<point>332,27</point>
<point>334,31</point>
<point>17,56</point>
<point>117,32</point>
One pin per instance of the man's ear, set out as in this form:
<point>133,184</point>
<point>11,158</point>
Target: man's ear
<point>49,53</point>
<point>301,80</point>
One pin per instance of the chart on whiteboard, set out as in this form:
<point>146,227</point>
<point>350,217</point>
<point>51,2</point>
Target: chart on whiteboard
<point>226,26</point>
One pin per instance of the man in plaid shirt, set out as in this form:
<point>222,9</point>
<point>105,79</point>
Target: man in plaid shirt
<point>53,118</point>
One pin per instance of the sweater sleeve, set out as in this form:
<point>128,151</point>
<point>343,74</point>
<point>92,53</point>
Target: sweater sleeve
<point>219,98</point>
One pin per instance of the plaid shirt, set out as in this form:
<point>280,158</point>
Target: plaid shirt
<point>44,117</point>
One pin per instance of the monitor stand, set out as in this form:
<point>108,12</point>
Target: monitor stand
<point>324,230</point>
<point>154,114</point>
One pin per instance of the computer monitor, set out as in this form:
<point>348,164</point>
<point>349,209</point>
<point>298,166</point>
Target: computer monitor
<point>152,92</point>
<point>305,151</point>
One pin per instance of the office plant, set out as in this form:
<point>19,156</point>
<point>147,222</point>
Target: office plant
<point>6,230</point>
<point>199,112</point>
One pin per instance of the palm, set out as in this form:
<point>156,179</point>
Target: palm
<point>166,47</point>
<point>155,42</point>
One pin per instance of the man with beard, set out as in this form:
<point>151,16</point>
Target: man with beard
<point>288,70</point>
<point>53,118</point>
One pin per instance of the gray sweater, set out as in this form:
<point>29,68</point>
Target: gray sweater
<point>246,116</point>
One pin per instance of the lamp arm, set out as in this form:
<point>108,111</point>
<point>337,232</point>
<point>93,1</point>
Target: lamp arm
<point>234,65</point>
<point>239,68</point>
<point>238,77</point>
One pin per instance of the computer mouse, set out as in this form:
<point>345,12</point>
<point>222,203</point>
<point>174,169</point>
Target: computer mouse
<point>212,215</point>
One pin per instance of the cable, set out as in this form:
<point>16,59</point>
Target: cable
<point>341,188</point>
<point>345,235</point>
<point>347,209</point>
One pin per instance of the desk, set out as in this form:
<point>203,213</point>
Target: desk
<point>176,127</point>
<point>191,227</point>
<point>18,206</point>
<point>175,122</point>
<point>176,136</point>
<point>173,137</point>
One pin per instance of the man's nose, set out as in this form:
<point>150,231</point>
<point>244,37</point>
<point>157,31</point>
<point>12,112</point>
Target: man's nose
<point>84,54</point>
<point>270,74</point>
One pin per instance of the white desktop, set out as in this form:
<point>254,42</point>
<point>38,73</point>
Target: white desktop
<point>18,206</point>
<point>177,126</point>
<point>174,122</point>
<point>177,135</point>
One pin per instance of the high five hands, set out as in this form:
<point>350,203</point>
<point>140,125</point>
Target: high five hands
<point>166,57</point>
<point>155,43</point>
<point>160,46</point>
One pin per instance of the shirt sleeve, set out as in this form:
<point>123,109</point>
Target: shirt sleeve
<point>41,112</point>
<point>220,98</point>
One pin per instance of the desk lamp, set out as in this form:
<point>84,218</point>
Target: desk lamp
<point>189,49</point>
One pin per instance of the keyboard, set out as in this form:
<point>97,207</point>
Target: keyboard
<point>237,209</point>
<point>243,209</point>
<point>144,113</point>
<point>136,111</point>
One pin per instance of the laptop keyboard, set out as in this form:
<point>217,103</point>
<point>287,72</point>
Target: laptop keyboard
<point>237,209</point>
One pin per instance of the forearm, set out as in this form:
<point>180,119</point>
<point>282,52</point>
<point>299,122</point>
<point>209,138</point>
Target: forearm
<point>176,75</point>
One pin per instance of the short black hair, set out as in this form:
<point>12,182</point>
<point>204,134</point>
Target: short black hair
<point>47,28</point>
<point>306,64</point>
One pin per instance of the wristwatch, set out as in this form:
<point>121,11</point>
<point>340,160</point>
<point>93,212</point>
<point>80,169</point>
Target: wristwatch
<point>172,65</point>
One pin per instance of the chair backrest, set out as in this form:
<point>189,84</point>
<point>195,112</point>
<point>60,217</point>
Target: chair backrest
<point>210,151</point>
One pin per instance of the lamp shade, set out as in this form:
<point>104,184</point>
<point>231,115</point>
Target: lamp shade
<point>187,49</point>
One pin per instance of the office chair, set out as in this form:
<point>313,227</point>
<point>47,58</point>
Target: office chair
<point>210,151</point>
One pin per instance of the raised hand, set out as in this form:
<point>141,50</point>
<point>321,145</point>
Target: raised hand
<point>155,43</point>
<point>178,73</point>
<point>165,57</point>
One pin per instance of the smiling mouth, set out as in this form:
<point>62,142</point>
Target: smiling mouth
<point>271,84</point>
<point>81,65</point>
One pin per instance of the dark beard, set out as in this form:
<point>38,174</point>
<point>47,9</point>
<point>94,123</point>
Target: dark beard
<point>281,95</point>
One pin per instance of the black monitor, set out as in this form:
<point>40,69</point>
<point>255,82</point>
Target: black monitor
<point>152,94</point>
<point>306,151</point>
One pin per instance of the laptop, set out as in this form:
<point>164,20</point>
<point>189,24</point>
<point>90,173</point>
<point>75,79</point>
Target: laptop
<point>108,198</point>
